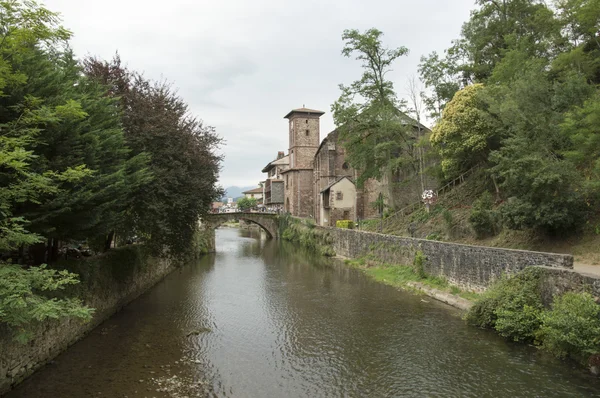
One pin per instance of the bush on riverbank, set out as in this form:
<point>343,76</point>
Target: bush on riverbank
<point>306,234</point>
<point>514,308</point>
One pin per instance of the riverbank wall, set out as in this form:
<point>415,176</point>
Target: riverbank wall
<point>469,267</point>
<point>108,282</point>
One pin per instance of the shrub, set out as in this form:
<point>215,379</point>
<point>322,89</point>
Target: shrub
<point>512,306</point>
<point>25,298</point>
<point>434,236</point>
<point>449,221</point>
<point>572,327</point>
<point>419,265</point>
<point>483,219</point>
<point>348,224</point>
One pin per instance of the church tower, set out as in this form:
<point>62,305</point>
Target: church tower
<point>304,139</point>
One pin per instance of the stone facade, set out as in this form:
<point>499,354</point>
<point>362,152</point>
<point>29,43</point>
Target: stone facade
<point>312,167</point>
<point>466,266</point>
<point>304,137</point>
<point>273,188</point>
<point>104,288</point>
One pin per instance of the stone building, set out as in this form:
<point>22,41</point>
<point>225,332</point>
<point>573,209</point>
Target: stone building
<point>318,181</point>
<point>334,181</point>
<point>256,193</point>
<point>273,187</point>
<point>304,137</point>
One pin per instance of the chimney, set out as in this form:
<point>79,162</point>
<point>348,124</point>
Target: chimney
<point>280,154</point>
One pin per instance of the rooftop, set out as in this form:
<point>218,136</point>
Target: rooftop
<point>335,182</point>
<point>304,110</point>
<point>255,190</point>
<point>284,161</point>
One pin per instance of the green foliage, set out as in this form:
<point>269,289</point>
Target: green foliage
<point>440,75</point>
<point>82,157</point>
<point>527,111</point>
<point>349,224</point>
<point>25,300</point>
<point>434,236</point>
<point>466,133</point>
<point>419,265</point>
<point>572,327</point>
<point>246,203</point>
<point>311,238</point>
<point>184,163</point>
<point>377,136</point>
<point>582,127</point>
<point>512,306</point>
<point>482,218</point>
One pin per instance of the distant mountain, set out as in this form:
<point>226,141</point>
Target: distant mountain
<point>236,192</point>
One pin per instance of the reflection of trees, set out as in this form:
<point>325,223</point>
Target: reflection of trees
<point>348,333</point>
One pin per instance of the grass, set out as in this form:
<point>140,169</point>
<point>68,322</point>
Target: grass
<point>401,276</point>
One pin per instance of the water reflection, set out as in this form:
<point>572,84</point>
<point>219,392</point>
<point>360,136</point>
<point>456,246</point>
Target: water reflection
<point>267,319</point>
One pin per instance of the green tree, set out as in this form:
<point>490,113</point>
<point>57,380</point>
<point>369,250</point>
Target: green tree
<point>183,159</point>
<point>377,136</point>
<point>24,292</point>
<point>440,76</point>
<point>582,127</point>
<point>466,133</point>
<point>497,26</point>
<point>85,129</point>
<point>246,203</point>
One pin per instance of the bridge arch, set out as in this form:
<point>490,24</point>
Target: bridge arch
<point>267,221</point>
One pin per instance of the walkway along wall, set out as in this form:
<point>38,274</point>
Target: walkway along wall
<point>108,283</point>
<point>469,267</point>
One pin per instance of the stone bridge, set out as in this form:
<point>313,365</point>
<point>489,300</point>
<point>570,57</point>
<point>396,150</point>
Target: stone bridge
<point>269,222</point>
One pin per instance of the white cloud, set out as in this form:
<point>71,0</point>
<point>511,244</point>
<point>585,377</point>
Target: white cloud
<point>242,65</point>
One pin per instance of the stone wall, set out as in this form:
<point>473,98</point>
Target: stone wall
<point>469,267</point>
<point>556,281</point>
<point>108,283</point>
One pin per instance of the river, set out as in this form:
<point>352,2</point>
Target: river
<point>266,319</point>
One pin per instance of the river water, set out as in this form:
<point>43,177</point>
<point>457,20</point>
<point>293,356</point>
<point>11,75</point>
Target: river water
<point>266,319</point>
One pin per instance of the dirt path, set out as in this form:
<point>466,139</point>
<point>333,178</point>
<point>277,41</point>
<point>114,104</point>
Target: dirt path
<point>587,269</point>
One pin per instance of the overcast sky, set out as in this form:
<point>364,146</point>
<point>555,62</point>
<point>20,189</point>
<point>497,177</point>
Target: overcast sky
<point>243,64</point>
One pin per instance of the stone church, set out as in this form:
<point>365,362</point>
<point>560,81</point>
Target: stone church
<point>317,180</point>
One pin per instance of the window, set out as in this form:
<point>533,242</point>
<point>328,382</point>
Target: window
<point>346,215</point>
<point>345,166</point>
<point>286,181</point>
<point>307,132</point>
<point>339,196</point>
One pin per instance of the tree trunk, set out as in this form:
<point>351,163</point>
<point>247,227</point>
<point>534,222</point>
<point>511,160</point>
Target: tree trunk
<point>109,240</point>
<point>498,198</point>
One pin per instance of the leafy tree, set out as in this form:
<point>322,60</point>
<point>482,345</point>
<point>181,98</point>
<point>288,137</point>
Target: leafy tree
<point>501,25</point>
<point>245,203</point>
<point>440,75</point>
<point>377,136</point>
<point>85,129</point>
<point>466,133</point>
<point>23,293</point>
<point>582,127</point>
<point>184,162</point>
